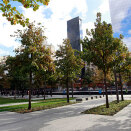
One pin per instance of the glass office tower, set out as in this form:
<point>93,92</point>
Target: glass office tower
<point>74,33</point>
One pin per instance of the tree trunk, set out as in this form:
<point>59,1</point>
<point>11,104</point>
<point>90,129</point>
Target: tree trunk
<point>51,92</point>
<point>72,89</point>
<point>122,98</point>
<point>15,93</point>
<point>107,103</point>
<point>67,90</point>
<point>51,89</point>
<point>117,92</point>
<point>29,105</point>
<point>44,89</point>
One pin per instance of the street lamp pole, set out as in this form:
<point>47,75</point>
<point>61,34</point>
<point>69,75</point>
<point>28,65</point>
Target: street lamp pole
<point>30,86</point>
<point>116,86</point>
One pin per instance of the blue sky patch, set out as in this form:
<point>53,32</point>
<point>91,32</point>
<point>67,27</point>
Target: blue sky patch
<point>126,24</point>
<point>48,13</point>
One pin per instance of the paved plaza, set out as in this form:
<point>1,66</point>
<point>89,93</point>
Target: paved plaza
<point>68,118</point>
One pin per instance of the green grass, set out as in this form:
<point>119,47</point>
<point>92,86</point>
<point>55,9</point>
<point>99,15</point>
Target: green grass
<point>12,100</point>
<point>9,100</point>
<point>41,105</point>
<point>114,108</point>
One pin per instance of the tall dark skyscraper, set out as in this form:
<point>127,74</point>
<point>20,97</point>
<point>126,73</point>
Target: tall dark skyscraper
<point>74,33</point>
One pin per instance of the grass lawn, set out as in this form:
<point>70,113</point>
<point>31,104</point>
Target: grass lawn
<point>114,108</point>
<point>10,100</point>
<point>43,104</point>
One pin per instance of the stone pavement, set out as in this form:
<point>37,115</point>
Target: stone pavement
<point>68,118</point>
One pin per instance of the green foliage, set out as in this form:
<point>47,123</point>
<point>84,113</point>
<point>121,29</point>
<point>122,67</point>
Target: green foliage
<point>13,15</point>
<point>4,83</point>
<point>35,56</point>
<point>67,64</point>
<point>99,47</point>
<point>16,76</point>
<point>121,55</point>
<point>121,59</point>
<point>87,78</point>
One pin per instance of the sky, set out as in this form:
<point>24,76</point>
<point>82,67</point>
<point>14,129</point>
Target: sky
<point>54,18</point>
<point>120,12</point>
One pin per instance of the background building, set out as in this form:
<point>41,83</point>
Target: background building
<point>74,33</point>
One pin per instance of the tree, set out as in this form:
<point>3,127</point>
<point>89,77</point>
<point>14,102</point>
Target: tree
<point>68,64</point>
<point>99,48</point>
<point>87,78</point>
<point>127,73</point>
<point>98,76</point>
<point>13,15</point>
<point>123,64</point>
<point>4,83</point>
<point>119,60</point>
<point>35,56</point>
<point>46,67</point>
<point>17,78</point>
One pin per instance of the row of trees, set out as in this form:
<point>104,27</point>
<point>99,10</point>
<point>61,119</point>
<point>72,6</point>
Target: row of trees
<point>106,52</point>
<point>33,64</point>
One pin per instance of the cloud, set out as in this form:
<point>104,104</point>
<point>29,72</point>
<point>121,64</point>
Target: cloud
<point>63,8</point>
<point>119,11</point>
<point>56,23</point>
<point>5,31</point>
<point>103,8</point>
<point>88,25</point>
<point>4,52</point>
<point>129,32</point>
<point>54,17</point>
<point>127,41</point>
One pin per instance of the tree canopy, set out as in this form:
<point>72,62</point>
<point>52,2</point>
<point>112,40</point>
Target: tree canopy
<point>68,64</point>
<point>14,15</point>
<point>99,48</point>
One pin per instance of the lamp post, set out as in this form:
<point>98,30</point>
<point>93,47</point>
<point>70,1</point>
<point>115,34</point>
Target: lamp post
<point>30,82</point>
<point>116,85</point>
<point>120,79</point>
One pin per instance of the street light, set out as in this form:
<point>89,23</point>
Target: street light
<point>30,76</point>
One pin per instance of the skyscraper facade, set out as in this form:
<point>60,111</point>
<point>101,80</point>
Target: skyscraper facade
<point>74,32</point>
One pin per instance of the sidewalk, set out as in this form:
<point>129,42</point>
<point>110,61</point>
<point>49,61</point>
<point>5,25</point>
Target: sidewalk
<point>39,99</point>
<point>68,118</point>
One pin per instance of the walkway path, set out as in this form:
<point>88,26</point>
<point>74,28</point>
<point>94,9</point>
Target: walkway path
<point>39,99</point>
<point>67,118</point>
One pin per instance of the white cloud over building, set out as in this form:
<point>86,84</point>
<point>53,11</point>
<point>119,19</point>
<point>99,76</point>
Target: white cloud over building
<point>54,18</point>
